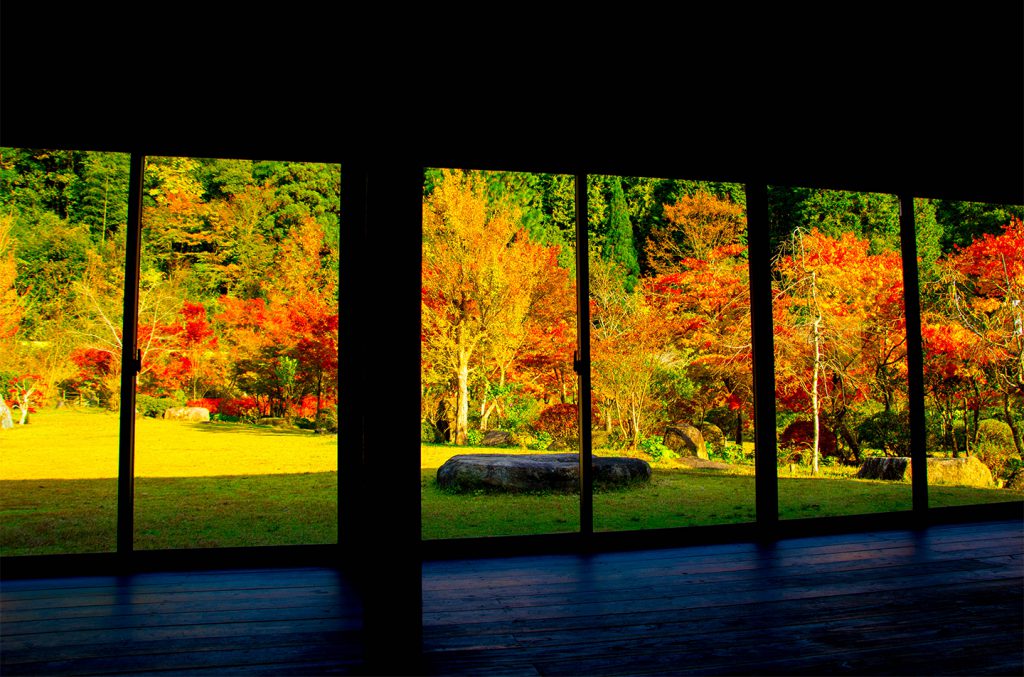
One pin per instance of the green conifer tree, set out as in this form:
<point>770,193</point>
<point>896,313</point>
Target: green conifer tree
<point>618,244</point>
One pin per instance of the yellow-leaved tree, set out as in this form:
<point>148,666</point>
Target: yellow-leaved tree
<point>484,283</point>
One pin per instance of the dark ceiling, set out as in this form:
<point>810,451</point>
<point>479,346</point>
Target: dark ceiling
<point>839,109</point>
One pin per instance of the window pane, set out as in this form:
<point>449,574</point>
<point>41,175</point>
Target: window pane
<point>671,350</point>
<point>498,333</point>
<point>62,235</point>
<point>840,353</point>
<point>971,275</point>
<point>236,440</point>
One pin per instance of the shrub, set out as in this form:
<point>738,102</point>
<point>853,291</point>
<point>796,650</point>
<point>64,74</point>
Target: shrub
<point>797,439</point>
<point>538,441</point>
<point>474,437</point>
<point>329,419</point>
<point>1014,474</point>
<point>731,453</point>
<point>212,404</point>
<point>887,431</point>
<point>559,421</point>
<point>656,449</point>
<point>154,407</point>
<point>995,447</point>
<point>242,407</point>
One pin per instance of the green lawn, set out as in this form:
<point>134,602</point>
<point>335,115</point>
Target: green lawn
<point>675,497</point>
<point>197,485</point>
<point>222,485</point>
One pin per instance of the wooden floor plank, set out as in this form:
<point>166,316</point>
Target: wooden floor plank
<point>942,600</point>
<point>638,585</point>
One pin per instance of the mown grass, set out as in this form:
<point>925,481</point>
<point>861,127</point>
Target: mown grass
<point>675,497</point>
<point>224,485</point>
<point>82,444</point>
<point>197,485</point>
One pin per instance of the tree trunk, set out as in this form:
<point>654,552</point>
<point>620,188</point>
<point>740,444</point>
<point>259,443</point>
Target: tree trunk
<point>1013,426</point>
<point>739,427</point>
<point>5,415</point>
<point>967,431</point>
<point>852,442</point>
<point>977,412</point>
<point>814,382</point>
<point>948,427</point>
<point>24,405</point>
<point>487,415</point>
<point>462,405</point>
<point>319,391</point>
<point>485,410</point>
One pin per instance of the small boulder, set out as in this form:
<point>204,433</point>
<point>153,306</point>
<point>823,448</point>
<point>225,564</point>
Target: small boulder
<point>892,468</point>
<point>187,414</point>
<point>713,435</point>
<point>963,471</point>
<point>960,471</point>
<point>497,438</point>
<point>685,440</point>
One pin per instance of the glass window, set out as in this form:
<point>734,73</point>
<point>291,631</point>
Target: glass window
<point>971,273</point>
<point>671,351</point>
<point>840,353</point>
<point>498,390</point>
<point>62,241</point>
<point>236,440</point>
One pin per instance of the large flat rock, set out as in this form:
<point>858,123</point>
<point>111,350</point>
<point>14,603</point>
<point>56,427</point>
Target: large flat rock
<point>524,473</point>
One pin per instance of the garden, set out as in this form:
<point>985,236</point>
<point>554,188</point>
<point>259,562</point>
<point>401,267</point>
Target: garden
<point>238,324</point>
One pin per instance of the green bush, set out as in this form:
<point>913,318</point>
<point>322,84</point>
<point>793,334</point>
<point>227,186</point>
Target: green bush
<point>474,437</point>
<point>154,407</point>
<point>886,431</point>
<point>995,447</point>
<point>655,448</point>
<point>329,420</point>
<point>1014,474</point>
<point>537,441</point>
<point>731,453</point>
<point>428,433</point>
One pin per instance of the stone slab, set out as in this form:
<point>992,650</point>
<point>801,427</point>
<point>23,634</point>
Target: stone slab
<point>527,473</point>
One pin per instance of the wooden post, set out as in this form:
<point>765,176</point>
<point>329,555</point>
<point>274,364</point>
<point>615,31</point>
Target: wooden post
<point>761,328</point>
<point>130,363</point>
<point>915,355</point>
<point>582,359</point>
<point>387,380</point>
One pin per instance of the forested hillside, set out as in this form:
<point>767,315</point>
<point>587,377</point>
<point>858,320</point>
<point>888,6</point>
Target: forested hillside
<point>238,304</point>
<point>670,315</point>
<point>239,313</point>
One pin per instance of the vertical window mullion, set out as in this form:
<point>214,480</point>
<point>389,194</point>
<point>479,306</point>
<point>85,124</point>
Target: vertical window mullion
<point>129,361</point>
<point>582,361</point>
<point>763,349</point>
<point>915,354</point>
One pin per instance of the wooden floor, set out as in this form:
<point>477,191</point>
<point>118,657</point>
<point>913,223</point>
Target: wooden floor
<point>947,600</point>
